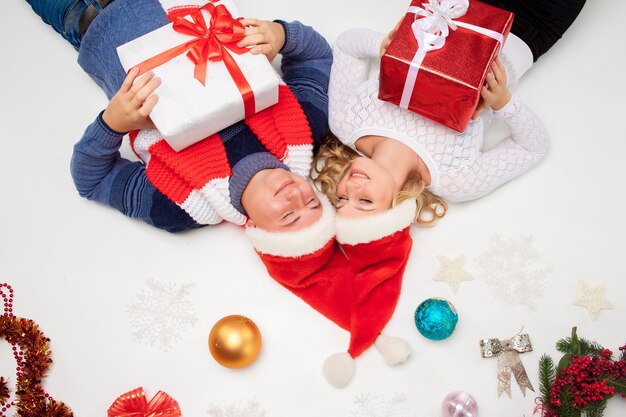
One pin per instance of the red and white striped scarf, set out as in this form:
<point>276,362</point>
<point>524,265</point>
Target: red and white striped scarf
<point>197,178</point>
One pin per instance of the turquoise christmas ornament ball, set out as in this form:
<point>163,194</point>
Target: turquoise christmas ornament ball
<point>436,318</point>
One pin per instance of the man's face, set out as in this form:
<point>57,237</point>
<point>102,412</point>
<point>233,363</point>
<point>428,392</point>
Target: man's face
<point>278,200</point>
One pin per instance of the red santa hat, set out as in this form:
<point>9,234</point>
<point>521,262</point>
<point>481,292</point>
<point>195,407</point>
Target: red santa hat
<point>357,290</point>
<point>310,264</point>
<point>377,248</point>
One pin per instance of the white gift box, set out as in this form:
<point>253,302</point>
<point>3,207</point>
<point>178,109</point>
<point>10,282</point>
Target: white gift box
<point>188,111</point>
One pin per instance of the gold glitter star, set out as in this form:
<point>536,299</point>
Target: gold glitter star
<point>592,298</point>
<point>452,271</point>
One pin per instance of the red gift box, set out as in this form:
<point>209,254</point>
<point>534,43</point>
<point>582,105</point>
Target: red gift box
<point>442,79</point>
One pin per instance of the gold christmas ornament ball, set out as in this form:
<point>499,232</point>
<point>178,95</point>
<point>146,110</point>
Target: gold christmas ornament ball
<point>235,341</point>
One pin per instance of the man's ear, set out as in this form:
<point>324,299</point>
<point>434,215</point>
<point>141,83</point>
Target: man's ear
<point>250,223</point>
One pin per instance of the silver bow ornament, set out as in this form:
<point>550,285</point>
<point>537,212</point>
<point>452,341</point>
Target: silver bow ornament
<point>509,362</point>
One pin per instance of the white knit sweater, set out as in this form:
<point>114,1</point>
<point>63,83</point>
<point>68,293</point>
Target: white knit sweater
<point>460,169</point>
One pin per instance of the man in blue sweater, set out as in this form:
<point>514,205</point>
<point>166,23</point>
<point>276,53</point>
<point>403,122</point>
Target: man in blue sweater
<point>262,188</point>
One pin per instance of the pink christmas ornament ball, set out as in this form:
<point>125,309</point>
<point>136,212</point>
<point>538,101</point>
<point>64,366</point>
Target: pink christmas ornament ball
<point>459,404</point>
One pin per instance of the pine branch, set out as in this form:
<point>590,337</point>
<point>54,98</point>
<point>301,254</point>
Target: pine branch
<point>564,345</point>
<point>567,408</point>
<point>591,348</point>
<point>568,412</point>
<point>620,385</point>
<point>547,373</point>
<point>596,409</point>
<point>587,347</point>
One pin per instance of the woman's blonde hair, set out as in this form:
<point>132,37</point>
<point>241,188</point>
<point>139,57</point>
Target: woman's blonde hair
<point>334,159</point>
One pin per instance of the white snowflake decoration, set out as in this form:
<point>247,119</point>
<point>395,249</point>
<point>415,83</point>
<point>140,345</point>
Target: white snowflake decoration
<point>514,271</point>
<point>161,313</point>
<point>376,405</point>
<point>251,408</point>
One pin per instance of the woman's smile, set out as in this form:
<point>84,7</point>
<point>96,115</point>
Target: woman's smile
<point>359,174</point>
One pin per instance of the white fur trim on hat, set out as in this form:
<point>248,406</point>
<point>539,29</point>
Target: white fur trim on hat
<point>354,231</point>
<point>339,369</point>
<point>297,243</point>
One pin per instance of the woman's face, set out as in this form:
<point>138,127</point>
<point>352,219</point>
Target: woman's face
<point>279,200</point>
<point>366,188</point>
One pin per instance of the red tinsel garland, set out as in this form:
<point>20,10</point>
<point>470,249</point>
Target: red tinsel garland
<point>31,349</point>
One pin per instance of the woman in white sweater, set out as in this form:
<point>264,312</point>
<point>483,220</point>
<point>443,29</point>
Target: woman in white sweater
<point>388,154</point>
<point>399,150</point>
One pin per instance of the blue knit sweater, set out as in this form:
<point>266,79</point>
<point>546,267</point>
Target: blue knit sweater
<point>102,175</point>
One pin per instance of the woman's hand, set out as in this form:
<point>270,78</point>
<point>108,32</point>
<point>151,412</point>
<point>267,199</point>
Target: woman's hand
<point>266,37</point>
<point>495,93</point>
<point>130,107</point>
<point>387,39</point>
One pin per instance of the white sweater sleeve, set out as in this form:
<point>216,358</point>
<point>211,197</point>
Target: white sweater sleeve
<point>517,59</point>
<point>353,53</point>
<point>524,148</point>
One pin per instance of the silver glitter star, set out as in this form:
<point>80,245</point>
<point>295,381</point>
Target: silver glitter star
<point>452,271</point>
<point>592,298</point>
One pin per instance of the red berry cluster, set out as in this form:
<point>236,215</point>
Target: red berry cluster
<point>585,379</point>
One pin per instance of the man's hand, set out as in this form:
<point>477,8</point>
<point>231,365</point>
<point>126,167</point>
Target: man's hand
<point>265,37</point>
<point>130,107</point>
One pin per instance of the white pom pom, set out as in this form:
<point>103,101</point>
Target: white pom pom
<point>394,349</point>
<point>338,369</point>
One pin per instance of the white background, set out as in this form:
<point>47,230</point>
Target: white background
<point>75,266</point>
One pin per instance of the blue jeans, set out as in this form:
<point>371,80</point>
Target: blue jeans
<point>63,16</point>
